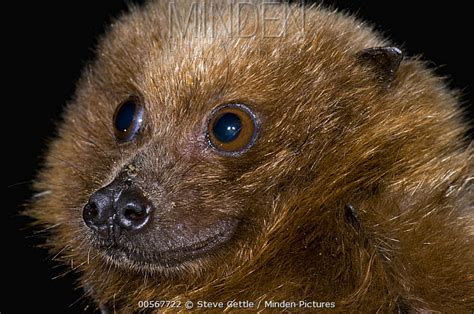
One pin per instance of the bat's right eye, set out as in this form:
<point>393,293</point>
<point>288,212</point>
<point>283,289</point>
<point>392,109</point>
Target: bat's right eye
<point>128,119</point>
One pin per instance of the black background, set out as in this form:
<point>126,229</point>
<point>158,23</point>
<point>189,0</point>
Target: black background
<point>50,43</point>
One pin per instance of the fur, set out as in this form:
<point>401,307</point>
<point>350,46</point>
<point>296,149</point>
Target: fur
<point>354,192</point>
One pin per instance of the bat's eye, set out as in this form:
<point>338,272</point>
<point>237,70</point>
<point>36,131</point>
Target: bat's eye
<point>128,119</point>
<point>232,128</point>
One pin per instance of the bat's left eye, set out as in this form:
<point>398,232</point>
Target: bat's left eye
<point>128,118</point>
<point>232,129</point>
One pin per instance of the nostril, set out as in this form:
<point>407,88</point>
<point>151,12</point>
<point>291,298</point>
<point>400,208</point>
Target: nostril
<point>134,215</point>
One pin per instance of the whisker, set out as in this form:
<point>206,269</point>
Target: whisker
<point>53,258</point>
<point>19,183</point>
<point>41,194</point>
<point>44,230</point>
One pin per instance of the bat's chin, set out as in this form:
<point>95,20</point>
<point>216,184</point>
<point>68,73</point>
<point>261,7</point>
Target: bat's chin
<point>180,252</point>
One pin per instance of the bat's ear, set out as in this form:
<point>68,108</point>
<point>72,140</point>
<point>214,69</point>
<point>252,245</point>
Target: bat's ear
<point>384,61</point>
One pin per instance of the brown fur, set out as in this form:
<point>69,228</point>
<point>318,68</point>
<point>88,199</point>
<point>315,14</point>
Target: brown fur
<point>331,136</point>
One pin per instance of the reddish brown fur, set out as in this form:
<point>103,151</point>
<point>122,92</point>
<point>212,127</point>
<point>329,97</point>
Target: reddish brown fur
<point>331,135</point>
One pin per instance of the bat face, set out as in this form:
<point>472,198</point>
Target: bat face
<point>172,201</point>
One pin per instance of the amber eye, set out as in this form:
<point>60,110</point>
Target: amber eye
<point>128,119</point>
<point>232,129</point>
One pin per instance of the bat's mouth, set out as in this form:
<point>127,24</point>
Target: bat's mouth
<point>177,254</point>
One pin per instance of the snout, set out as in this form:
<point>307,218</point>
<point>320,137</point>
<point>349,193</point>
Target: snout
<point>117,208</point>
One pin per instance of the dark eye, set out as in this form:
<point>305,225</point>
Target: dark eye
<point>128,119</point>
<point>232,128</point>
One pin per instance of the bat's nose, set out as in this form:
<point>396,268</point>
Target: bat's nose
<point>117,208</point>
